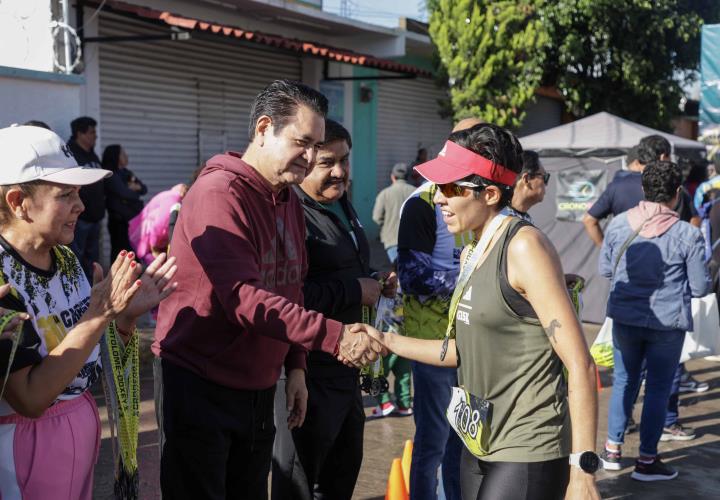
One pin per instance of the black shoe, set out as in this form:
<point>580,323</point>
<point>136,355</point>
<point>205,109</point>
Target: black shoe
<point>611,460</point>
<point>655,471</point>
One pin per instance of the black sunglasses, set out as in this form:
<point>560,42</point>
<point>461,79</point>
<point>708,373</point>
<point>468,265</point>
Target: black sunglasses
<point>545,176</point>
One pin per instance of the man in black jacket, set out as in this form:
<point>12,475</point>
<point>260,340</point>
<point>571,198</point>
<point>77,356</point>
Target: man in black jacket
<point>86,244</point>
<point>322,457</point>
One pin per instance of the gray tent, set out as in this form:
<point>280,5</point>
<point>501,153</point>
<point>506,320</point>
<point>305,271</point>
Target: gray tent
<point>583,156</point>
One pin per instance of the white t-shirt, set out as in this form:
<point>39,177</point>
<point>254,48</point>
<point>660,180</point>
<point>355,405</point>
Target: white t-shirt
<point>55,301</point>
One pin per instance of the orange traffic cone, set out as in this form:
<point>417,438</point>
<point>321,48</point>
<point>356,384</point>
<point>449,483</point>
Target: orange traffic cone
<point>396,484</point>
<point>406,461</point>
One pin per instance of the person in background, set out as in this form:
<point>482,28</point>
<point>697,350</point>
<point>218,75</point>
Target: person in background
<point>656,264</point>
<point>386,212</point>
<point>694,172</point>
<point>420,158</point>
<point>123,192</point>
<point>703,188</point>
<point>529,186</point>
<point>86,244</point>
<point>149,231</point>
<point>321,458</point>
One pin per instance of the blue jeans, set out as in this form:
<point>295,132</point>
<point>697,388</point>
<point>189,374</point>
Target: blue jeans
<point>392,253</point>
<point>86,245</point>
<point>661,352</point>
<point>671,417</point>
<point>435,442</point>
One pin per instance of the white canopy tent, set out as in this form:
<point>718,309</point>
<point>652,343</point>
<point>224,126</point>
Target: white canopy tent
<point>583,156</point>
<point>600,134</point>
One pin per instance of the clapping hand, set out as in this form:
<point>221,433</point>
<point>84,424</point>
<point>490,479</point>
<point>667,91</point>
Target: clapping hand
<point>155,285</point>
<point>110,295</point>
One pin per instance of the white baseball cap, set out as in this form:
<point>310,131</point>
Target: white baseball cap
<point>35,153</point>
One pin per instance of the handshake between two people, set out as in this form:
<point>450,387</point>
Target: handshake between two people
<point>361,344</point>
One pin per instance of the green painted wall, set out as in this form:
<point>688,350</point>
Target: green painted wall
<point>364,152</point>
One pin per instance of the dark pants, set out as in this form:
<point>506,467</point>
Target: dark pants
<point>218,441</point>
<point>119,239</point>
<point>482,480</point>
<point>435,443</point>
<point>321,459</point>
<point>86,245</point>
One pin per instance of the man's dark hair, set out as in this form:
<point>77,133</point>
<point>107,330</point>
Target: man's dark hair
<point>660,181</point>
<point>37,123</point>
<point>81,125</point>
<point>280,101</point>
<point>652,147</point>
<point>497,145</point>
<point>632,155</point>
<point>336,132</point>
<point>531,162</point>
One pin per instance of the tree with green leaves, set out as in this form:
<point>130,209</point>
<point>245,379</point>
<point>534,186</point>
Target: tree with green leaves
<point>628,57</point>
<point>493,54</point>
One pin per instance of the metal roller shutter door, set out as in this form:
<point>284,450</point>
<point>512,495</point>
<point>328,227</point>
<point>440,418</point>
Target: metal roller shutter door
<point>173,104</point>
<point>407,120</point>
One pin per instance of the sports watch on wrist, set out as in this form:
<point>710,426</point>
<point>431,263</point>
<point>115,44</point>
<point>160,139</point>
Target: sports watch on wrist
<point>588,461</point>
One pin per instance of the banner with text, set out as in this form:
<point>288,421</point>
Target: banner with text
<point>577,189</point>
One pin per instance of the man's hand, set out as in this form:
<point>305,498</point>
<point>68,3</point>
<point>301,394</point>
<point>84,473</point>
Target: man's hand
<point>389,283</point>
<point>593,229</point>
<point>296,395</point>
<point>582,486</point>
<point>370,291</point>
<point>357,348</point>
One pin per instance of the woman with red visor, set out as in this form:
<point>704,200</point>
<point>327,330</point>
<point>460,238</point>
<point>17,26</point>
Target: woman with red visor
<point>523,365</point>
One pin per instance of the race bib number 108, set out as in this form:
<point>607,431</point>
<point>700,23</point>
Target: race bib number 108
<point>468,415</point>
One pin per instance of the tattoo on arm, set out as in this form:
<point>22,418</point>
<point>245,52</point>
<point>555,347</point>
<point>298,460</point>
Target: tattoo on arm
<point>550,330</point>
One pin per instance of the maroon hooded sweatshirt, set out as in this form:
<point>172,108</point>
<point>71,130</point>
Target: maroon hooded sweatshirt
<point>237,314</point>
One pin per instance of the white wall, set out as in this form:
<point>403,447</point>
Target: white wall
<point>55,103</point>
<point>25,37</point>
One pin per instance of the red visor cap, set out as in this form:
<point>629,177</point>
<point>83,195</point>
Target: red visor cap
<point>455,162</point>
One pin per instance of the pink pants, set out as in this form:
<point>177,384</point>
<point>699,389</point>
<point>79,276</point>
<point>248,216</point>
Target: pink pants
<point>52,456</point>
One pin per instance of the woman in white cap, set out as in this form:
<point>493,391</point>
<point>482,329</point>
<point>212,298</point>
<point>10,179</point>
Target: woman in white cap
<point>515,331</point>
<point>49,424</point>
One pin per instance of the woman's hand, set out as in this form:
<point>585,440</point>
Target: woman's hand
<point>155,286</point>
<point>111,295</point>
<point>582,486</point>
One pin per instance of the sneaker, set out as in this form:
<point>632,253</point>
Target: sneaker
<point>383,410</point>
<point>689,384</point>
<point>631,427</point>
<point>403,411</point>
<point>677,432</point>
<point>611,460</point>
<point>656,471</point>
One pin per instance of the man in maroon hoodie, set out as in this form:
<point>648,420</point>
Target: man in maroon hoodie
<point>237,314</point>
